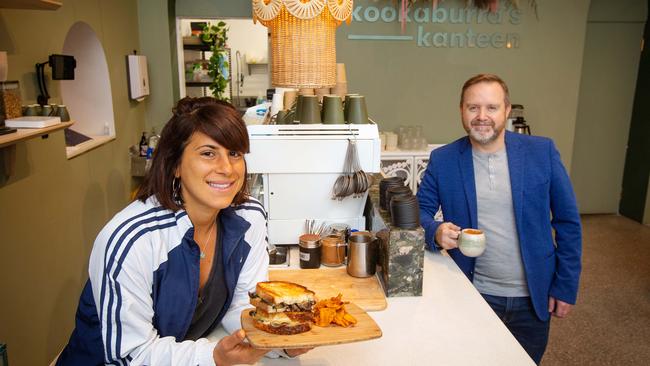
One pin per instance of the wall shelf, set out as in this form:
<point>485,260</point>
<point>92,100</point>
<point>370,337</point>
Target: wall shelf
<point>29,133</point>
<point>198,83</point>
<point>31,4</point>
<point>262,67</point>
<point>94,142</point>
<point>196,47</point>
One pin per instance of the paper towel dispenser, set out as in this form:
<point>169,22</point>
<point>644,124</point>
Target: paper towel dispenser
<point>138,77</point>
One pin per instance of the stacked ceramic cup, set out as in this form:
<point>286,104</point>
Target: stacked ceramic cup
<point>332,110</point>
<point>405,212</point>
<point>393,192</point>
<point>355,111</point>
<point>309,110</point>
<point>386,183</point>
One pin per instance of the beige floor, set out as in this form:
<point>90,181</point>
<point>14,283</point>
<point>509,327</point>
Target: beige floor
<point>610,324</point>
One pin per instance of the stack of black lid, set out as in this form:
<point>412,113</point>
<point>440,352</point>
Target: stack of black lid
<point>405,212</point>
<point>386,183</point>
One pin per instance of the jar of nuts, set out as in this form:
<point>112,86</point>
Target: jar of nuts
<point>10,102</point>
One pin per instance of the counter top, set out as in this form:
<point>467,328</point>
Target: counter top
<point>450,324</point>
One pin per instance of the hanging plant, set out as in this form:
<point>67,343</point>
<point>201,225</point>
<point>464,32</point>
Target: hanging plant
<point>215,36</point>
<point>219,71</point>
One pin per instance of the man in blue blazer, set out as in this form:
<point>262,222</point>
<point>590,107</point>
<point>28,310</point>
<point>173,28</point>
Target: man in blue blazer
<point>514,188</point>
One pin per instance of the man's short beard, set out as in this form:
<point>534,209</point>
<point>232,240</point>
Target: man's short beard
<point>483,139</point>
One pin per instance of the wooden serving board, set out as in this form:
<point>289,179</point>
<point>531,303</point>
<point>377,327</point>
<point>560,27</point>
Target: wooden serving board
<point>367,292</point>
<point>365,329</point>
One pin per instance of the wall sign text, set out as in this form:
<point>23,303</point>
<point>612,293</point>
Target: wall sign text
<point>427,18</point>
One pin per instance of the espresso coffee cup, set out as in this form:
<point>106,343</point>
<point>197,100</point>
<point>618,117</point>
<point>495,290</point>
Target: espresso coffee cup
<point>332,110</point>
<point>310,110</point>
<point>46,110</point>
<point>357,112</point>
<point>281,117</point>
<point>471,242</point>
<point>30,110</point>
<point>62,112</point>
<point>346,105</point>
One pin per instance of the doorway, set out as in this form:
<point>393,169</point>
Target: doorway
<point>634,195</point>
<point>247,69</point>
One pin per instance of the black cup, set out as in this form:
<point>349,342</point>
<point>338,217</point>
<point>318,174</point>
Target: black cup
<point>405,212</point>
<point>386,183</point>
<point>396,191</point>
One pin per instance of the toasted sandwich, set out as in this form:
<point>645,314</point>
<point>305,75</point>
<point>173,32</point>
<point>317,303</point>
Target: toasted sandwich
<point>282,307</point>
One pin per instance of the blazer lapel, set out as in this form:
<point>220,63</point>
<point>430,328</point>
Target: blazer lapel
<point>516,170</point>
<point>466,166</point>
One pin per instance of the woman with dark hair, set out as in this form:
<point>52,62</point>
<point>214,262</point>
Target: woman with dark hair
<point>181,259</point>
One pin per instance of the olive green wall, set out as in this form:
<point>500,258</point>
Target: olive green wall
<point>407,85</point>
<point>157,32</point>
<point>155,35</point>
<point>563,97</point>
<point>155,19</point>
<point>213,8</point>
<point>52,208</point>
<point>609,73</point>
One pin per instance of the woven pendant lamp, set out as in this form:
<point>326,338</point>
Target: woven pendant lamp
<point>303,39</point>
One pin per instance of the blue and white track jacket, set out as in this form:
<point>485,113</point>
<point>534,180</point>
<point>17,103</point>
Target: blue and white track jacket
<point>143,286</point>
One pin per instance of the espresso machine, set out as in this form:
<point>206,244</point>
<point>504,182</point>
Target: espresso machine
<point>297,167</point>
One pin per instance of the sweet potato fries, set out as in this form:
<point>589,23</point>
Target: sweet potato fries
<point>332,311</point>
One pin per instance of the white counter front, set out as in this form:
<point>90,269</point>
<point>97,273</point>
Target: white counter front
<point>450,324</point>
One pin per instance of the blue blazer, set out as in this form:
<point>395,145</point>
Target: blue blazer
<point>543,201</point>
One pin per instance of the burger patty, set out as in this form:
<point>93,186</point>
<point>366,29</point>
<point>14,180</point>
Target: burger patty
<point>303,306</point>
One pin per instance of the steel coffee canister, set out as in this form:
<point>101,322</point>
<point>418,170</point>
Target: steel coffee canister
<point>362,256</point>
<point>310,250</point>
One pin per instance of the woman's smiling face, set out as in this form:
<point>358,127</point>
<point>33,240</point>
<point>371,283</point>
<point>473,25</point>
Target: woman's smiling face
<point>210,174</point>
